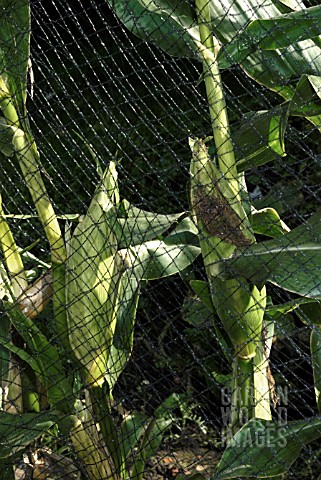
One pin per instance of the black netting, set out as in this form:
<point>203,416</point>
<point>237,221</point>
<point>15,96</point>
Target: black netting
<point>160,265</point>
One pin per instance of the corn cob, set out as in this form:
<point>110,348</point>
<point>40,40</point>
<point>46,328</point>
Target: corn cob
<point>92,281</point>
<point>224,226</point>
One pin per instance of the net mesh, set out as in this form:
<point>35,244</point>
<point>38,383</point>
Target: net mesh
<point>158,322</point>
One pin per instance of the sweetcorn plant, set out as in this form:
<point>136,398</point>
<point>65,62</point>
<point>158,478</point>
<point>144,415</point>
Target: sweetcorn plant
<point>278,45</point>
<point>93,280</point>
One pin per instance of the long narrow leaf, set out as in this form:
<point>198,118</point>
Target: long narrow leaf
<point>17,432</point>
<point>48,358</point>
<point>292,261</point>
<point>139,226</point>
<point>274,33</point>
<point>123,338</point>
<point>262,449</point>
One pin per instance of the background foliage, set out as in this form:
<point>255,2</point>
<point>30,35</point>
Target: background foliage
<point>96,83</point>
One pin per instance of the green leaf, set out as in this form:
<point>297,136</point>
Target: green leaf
<point>132,427</point>
<point>306,100</point>
<point>139,226</point>
<point>31,360</point>
<point>267,67</point>
<point>315,347</point>
<point>292,261</point>
<point>93,272</point>
<point>202,290</point>
<point>276,311</point>
<point>262,449</point>
<point>14,49</point>
<point>195,313</point>
<point>267,222</point>
<point>153,434</point>
<point>260,139</point>
<point>161,258</point>
<point>172,26</point>
<point>167,23</point>
<point>123,337</point>
<point>274,33</point>
<point>5,333</point>
<point>6,136</point>
<point>49,364</point>
<point>310,313</point>
<point>18,431</point>
<point>185,232</point>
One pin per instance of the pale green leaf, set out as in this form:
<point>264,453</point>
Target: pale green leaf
<point>267,222</point>
<point>275,33</point>
<point>123,338</point>
<point>292,261</point>
<point>260,139</point>
<point>158,259</point>
<point>262,448</point>
<point>6,136</point>
<point>315,347</point>
<point>93,271</point>
<point>167,23</point>
<point>139,226</point>
<point>17,432</point>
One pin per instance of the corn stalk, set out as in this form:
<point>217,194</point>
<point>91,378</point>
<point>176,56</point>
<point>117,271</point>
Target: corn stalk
<point>223,227</point>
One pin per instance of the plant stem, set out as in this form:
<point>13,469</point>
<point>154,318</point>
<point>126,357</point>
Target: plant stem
<point>102,415</point>
<point>31,172</point>
<point>59,307</point>
<point>215,96</point>
<point>27,155</point>
<point>12,257</point>
<point>241,400</point>
<point>86,445</point>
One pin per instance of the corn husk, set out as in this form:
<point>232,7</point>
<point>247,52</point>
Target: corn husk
<point>241,310</point>
<point>217,209</point>
<point>223,227</point>
<point>92,280</point>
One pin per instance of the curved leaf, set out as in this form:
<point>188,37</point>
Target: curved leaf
<point>167,23</point>
<point>306,100</point>
<point>18,431</point>
<point>292,261</point>
<point>274,33</point>
<point>315,347</point>
<point>267,222</point>
<point>49,363</point>
<point>262,449</point>
<point>162,258</point>
<point>310,313</point>
<point>276,311</point>
<point>170,24</point>
<point>138,226</point>
<point>132,427</point>
<point>260,139</point>
<point>123,337</point>
<point>158,259</point>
